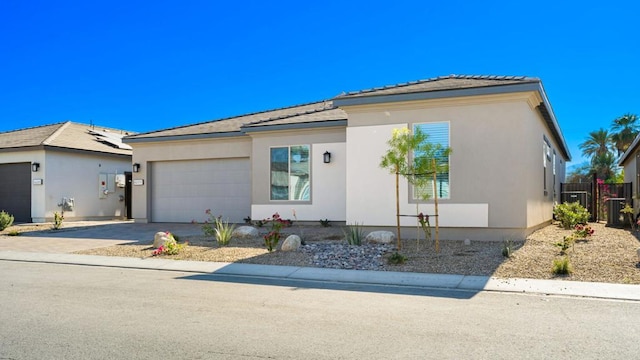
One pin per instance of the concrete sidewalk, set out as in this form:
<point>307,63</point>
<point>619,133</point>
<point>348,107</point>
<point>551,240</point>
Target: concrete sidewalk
<point>414,280</point>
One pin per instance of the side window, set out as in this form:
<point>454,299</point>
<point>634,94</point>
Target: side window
<point>290,173</point>
<point>546,158</point>
<point>438,133</point>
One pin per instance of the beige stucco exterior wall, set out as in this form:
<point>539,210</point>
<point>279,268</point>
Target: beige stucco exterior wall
<point>328,190</point>
<point>75,175</point>
<point>496,159</point>
<point>631,176</point>
<point>145,153</point>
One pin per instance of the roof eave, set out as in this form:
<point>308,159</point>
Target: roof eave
<point>435,94</point>
<point>131,140</point>
<point>296,126</point>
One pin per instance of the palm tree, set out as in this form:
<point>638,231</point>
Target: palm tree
<point>598,143</point>
<point>604,166</point>
<point>625,129</point>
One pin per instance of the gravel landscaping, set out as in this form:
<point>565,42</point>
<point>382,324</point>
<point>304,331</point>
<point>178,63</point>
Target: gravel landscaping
<point>607,256</point>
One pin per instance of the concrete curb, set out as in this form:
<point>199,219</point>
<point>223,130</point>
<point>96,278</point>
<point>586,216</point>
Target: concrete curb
<point>432,281</point>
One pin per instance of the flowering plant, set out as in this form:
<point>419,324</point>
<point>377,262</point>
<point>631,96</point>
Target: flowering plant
<point>583,231</point>
<point>273,237</point>
<point>170,247</point>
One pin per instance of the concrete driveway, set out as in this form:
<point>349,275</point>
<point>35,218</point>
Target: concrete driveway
<point>85,235</point>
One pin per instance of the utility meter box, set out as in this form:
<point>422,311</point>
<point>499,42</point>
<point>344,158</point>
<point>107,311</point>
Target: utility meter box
<point>120,180</point>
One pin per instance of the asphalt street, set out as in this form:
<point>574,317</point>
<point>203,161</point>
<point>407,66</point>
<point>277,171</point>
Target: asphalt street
<point>62,311</point>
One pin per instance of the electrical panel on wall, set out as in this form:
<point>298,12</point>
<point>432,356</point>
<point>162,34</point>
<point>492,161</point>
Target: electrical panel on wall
<point>103,189</point>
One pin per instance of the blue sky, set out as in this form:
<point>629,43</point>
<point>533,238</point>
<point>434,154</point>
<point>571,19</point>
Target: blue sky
<point>147,65</point>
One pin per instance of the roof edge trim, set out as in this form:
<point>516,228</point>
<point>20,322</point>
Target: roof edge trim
<point>437,94</point>
<point>128,140</point>
<point>307,125</point>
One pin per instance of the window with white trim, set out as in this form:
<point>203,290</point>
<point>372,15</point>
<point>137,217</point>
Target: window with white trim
<point>438,133</point>
<point>290,173</point>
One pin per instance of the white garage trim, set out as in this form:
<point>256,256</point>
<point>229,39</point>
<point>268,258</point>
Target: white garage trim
<point>181,191</point>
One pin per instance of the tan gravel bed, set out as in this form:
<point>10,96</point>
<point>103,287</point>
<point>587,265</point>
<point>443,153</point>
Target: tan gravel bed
<point>608,256</point>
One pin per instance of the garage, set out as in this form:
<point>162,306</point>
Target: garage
<point>181,191</point>
<point>15,190</point>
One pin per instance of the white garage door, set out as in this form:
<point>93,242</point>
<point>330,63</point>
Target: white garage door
<point>181,191</point>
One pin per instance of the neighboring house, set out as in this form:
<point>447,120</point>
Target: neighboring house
<point>81,169</point>
<point>506,167</point>
<point>630,161</point>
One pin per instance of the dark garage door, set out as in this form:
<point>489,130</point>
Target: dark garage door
<point>15,190</point>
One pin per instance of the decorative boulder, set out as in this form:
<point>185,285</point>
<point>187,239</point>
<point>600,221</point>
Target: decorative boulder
<point>245,232</point>
<point>291,243</point>
<point>380,237</point>
<point>160,239</point>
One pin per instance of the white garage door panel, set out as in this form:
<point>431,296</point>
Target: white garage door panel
<point>181,191</point>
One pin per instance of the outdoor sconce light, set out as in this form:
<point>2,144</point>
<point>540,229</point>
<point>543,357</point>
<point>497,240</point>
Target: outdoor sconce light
<point>136,167</point>
<point>327,157</point>
<point>35,166</point>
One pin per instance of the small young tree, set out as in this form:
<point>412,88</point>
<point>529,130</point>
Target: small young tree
<point>412,156</point>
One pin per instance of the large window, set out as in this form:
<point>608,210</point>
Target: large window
<point>290,173</point>
<point>438,133</point>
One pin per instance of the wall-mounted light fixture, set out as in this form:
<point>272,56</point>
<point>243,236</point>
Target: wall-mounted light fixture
<point>326,157</point>
<point>136,167</point>
<point>35,166</point>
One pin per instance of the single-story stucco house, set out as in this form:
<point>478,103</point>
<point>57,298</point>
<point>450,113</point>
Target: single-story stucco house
<point>81,169</point>
<point>507,162</point>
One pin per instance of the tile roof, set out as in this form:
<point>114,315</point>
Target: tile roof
<point>451,82</point>
<point>65,135</point>
<point>307,113</point>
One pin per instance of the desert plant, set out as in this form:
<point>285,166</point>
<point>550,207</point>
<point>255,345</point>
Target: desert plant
<point>507,248</point>
<point>247,220</point>
<point>353,234</point>
<point>565,244</point>
<point>413,156</point>
<point>562,266</point>
<point>273,237</point>
<point>14,233</point>
<point>397,259</point>
<point>628,210</point>
<point>215,227</point>
<point>571,214</point>
<point>223,231</point>
<point>58,218</point>
<point>6,220</point>
<point>325,223</point>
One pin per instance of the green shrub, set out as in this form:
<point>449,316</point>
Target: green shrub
<point>571,214</point>
<point>396,259</point>
<point>507,248</point>
<point>58,218</point>
<point>562,266</point>
<point>353,234</point>
<point>565,244</point>
<point>6,220</point>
